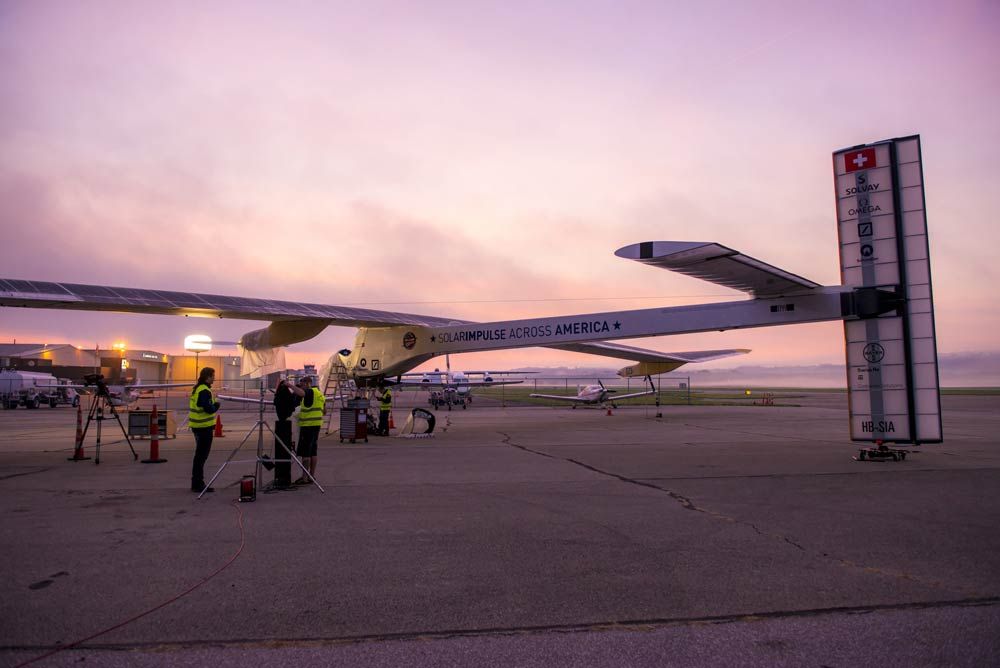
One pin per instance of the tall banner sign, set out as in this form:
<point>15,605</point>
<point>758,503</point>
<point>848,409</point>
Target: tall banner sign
<point>892,370</point>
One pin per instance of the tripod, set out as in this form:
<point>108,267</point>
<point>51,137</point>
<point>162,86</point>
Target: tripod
<point>98,403</point>
<point>259,427</point>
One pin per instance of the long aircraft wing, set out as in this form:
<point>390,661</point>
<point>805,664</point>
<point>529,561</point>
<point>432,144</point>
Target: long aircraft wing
<point>265,401</point>
<point>300,316</point>
<point>563,397</point>
<point>245,400</point>
<point>39,294</point>
<point>619,397</point>
<point>436,384</point>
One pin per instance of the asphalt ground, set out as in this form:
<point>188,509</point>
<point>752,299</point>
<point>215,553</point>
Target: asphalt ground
<point>717,535</point>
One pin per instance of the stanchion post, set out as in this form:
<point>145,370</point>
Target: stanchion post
<point>154,439</point>
<point>78,455</point>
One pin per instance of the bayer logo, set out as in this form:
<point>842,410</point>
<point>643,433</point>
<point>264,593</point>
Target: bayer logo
<point>874,352</point>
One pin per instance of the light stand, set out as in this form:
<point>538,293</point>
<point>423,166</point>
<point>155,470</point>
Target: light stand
<point>259,428</point>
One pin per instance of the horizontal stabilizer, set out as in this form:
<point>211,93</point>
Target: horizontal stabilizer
<point>620,351</point>
<point>718,264</point>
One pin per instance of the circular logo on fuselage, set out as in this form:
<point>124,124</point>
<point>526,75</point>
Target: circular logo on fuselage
<point>409,340</point>
<point>874,352</point>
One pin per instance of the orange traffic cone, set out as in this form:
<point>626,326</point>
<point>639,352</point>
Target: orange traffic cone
<point>218,426</point>
<point>78,452</point>
<point>609,411</point>
<point>154,439</point>
<point>392,425</point>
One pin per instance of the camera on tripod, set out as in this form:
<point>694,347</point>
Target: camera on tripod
<point>100,401</point>
<point>97,380</point>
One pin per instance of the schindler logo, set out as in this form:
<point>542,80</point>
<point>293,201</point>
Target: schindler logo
<point>409,340</point>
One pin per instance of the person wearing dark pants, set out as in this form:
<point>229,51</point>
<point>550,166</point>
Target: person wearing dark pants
<point>202,409</point>
<point>384,407</point>
<point>286,400</point>
<point>310,421</point>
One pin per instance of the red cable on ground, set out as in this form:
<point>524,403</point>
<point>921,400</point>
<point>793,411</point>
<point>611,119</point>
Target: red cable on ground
<point>151,610</point>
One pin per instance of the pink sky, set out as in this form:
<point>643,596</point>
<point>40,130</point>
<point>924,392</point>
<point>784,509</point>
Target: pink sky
<point>479,160</point>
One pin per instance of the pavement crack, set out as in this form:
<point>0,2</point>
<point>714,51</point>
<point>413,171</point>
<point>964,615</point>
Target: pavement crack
<point>682,500</point>
<point>688,504</point>
<point>506,441</point>
<point>23,473</point>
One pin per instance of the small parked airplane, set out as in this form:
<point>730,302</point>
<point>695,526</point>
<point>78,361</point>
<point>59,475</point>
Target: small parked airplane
<point>453,389</point>
<point>591,395</point>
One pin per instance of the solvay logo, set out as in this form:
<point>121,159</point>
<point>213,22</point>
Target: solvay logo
<point>409,340</point>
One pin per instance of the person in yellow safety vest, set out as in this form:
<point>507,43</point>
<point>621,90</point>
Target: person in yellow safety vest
<point>384,406</point>
<point>202,409</point>
<point>310,420</point>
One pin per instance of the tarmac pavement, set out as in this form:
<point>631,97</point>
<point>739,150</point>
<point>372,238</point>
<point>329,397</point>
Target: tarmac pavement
<point>523,536</point>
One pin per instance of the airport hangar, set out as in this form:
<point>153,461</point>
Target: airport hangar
<point>118,366</point>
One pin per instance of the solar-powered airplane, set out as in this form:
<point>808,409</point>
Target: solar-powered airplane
<point>388,344</point>
<point>885,301</point>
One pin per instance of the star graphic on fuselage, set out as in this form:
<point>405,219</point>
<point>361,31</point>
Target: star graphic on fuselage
<point>618,325</point>
<point>433,339</point>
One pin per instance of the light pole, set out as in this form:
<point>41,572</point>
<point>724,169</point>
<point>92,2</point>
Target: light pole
<point>197,344</point>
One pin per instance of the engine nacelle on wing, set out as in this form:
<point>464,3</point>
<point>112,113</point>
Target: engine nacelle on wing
<point>648,369</point>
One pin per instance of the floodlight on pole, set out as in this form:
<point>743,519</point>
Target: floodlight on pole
<point>197,343</point>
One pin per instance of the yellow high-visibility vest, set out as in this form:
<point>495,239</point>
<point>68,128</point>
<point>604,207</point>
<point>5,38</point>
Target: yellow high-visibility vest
<point>385,401</point>
<point>197,416</point>
<point>312,416</point>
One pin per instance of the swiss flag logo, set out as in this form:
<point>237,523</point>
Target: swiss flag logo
<point>857,160</point>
